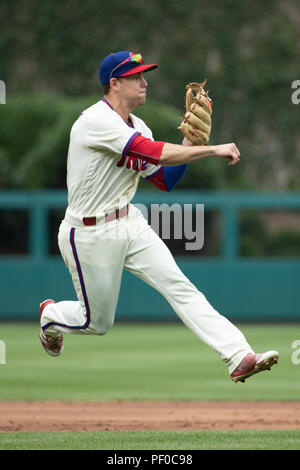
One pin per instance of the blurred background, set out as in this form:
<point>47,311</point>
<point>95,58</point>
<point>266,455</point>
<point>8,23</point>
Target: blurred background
<point>249,52</point>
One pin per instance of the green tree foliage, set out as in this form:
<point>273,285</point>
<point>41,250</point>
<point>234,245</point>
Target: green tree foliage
<point>34,141</point>
<point>257,240</point>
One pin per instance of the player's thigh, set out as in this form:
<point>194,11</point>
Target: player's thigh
<point>150,260</point>
<point>95,261</point>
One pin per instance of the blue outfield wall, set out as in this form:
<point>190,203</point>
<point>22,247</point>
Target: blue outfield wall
<point>243,289</point>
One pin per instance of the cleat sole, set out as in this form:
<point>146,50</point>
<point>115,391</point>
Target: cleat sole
<point>260,367</point>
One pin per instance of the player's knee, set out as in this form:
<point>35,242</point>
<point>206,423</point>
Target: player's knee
<point>101,331</point>
<point>103,328</point>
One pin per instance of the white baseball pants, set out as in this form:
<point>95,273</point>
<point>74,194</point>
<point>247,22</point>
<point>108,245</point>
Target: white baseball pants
<point>96,256</point>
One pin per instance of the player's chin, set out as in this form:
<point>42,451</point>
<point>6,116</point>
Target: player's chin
<point>139,100</point>
<point>142,98</point>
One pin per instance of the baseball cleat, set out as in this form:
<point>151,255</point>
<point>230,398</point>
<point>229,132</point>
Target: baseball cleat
<point>254,363</point>
<point>53,345</point>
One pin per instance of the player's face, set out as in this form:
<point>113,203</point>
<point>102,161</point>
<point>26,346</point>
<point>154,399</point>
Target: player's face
<point>133,89</point>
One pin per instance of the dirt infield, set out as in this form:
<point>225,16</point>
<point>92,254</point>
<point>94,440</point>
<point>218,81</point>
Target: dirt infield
<point>147,415</point>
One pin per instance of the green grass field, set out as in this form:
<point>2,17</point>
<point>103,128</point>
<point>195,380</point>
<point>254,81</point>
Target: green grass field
<point>144,362</point>
<point>153,440</point>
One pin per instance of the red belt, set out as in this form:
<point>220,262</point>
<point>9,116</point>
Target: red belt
<point>117,214</point>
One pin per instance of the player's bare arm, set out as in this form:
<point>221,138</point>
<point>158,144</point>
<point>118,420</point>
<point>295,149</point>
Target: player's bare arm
<point>173,154</point>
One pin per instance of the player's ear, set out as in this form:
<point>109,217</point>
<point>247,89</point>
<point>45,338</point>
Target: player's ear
<point>114,84</point>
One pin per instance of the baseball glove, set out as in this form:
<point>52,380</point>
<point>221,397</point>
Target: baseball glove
<point>196,124</point>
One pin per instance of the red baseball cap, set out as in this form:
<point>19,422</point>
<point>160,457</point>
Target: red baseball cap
<point>122,64</point>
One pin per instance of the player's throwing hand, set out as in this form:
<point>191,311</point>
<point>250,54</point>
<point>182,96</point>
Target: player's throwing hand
<point>229,151</point>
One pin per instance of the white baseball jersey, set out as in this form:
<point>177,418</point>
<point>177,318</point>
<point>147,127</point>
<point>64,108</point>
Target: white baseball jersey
<point>98,139</point>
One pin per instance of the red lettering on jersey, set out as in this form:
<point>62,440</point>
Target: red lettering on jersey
<point>140,152</point>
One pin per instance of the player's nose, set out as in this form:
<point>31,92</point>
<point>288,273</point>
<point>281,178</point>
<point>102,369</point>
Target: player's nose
<point>144,81</point>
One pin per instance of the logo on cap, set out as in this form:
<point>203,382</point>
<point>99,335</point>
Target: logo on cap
<point>137,58</point>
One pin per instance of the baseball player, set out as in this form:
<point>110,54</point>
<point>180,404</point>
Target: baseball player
<point>103,233</point>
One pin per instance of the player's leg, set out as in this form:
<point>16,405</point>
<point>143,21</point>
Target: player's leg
<point>150,260</point>
<point>95,262</point>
